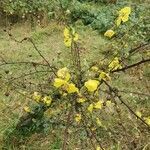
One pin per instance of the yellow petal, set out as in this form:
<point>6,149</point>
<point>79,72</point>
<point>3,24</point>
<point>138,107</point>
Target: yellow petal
<point>64,74</point>
<point>124,14</point>
<point>109,103</point>
<point>59,82</point>
<point>71,88</point>
<point>115,64</point>
<point>94,68</point>
<point>27,109</point>
<point>98,148</point>
<point>76,37</point>
<point>37,97</point>
<point>64,94</point>
<point>47,100</point>
<point>118,22</point>
<point>91,85</point>
<point>139,114</point>
<point>68,42</point>
<point>90,108</point>
<point>78,117</point>
<point>109,33</point>
<point>125,10</point>
<point>81,100</point>
<point>93,128</point>
<point>147,120</point>
<point>98,122</point>
<point>104,76</point>
<point>98,105</point>
<point>125,18</point>
<point>66,33</point>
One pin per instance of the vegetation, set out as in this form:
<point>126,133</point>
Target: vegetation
<point>74,75</point>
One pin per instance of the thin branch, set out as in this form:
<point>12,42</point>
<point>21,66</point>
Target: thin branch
<point>88,134</point>
<point>125,104</point>
<point>133,92</point>
<point>126,91</point>
<point>28,74</point>
<point>24,63</point>
<point>131,66</point>
<point>92,132</point>
<point>66,129</point>
<point>35,47</point>
<point>138,48</point>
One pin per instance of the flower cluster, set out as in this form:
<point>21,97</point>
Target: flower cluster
<point>70,36</point>
<point>109,33</point>
<point>123,17</point>
<point>64,84</point>
<point>62,81</point>
<point>96,105</point>
<point>47,100</point>
<point>38,98</point>
<point>115,64</point>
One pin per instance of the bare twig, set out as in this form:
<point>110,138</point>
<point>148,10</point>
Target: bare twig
<point>131,66</point>
<point>94,136</point>
<point>66,129</point>
<point>23,62</point>
<point>35,47</point>
<point>125,104</point>
<point>88,134</point>
<point>29,74</point>
<point>141,46</point>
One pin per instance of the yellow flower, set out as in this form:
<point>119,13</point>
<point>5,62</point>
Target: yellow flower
<point>47,100</point>
<point>64,74</point>
<point>94,68</point>
<point>123,15</point>
<point>118,21</point>
<point>68,42</point>
<point>91,85</point>
<point>66,33</point>
<point>76,37</point>
<point>98,148</point>
<point>115,64</point>
<point>78,117</point>
<point>81,100</point>
<point>93,128</point>
<point>59,82</point>
<point>147,120</point>
<point>71,88</point>
<point>90,108</point>
<point>104,76</point>
<point>109,103</point>
<point>98,105</point>
<point>27,109</point>
<point>109,33</point>
<point>139,114</point>
<point>64,94</point>
<point>37,97</point>
<point>69,36</point>
<point>125,12</point>
<point>98,122</point>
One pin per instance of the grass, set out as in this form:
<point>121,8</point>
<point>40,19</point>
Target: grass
<point>50,42</point>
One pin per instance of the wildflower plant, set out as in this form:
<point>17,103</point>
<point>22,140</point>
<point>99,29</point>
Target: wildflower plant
<point>83,96</point>
<point>86,97</point>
